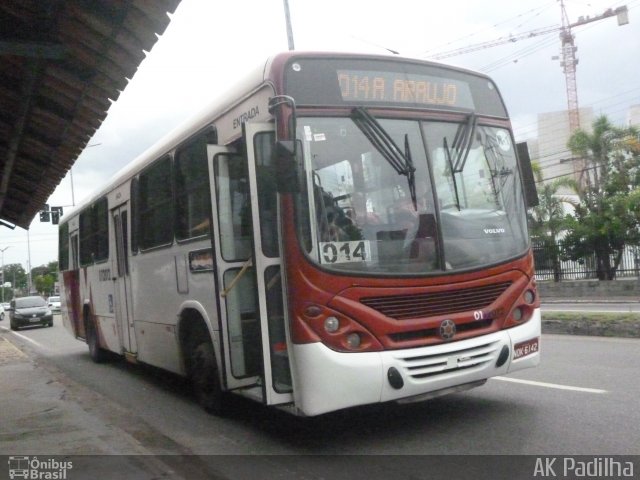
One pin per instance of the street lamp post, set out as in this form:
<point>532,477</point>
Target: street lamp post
<point>3,281</point>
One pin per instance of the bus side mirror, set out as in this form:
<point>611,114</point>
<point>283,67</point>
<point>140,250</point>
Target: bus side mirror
<point>528,179</point>
<point>286,166</point>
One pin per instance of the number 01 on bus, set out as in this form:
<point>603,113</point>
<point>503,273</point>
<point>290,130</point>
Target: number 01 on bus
<point>343,230</point>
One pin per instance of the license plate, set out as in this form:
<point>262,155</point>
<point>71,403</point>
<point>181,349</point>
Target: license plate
<point>35,320</point>
<point>525,348</point>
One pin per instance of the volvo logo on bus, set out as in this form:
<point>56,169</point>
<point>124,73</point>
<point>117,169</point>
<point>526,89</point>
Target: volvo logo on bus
<point>494,231</point>
<point>447,329</point>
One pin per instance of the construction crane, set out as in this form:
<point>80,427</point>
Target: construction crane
<point>568,63</point>
<point>567,50</point>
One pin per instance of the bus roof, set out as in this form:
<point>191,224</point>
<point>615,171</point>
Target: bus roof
<point>271,73</point>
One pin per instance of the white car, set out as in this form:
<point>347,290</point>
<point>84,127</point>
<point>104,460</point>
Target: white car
<point>1,312</point>
<point>54,304</point>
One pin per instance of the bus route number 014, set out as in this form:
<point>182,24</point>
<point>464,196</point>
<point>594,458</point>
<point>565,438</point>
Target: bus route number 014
<point>344,252</point>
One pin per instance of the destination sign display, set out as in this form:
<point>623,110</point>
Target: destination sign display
<point>389,82</point>
<point>403,88</point>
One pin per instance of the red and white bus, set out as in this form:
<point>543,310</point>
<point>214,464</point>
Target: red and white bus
<point>341,230</point>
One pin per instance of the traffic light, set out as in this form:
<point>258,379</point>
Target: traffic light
<point>56,213</point>
<point>44,214</point>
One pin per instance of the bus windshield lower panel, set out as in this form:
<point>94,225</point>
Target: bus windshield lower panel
<point>357,212</point>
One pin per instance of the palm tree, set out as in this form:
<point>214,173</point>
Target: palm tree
<point>606,221</point>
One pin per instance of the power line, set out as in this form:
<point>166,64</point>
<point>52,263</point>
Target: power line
<point>539,10</point>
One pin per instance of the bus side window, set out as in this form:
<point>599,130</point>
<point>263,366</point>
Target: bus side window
<point>267,192</point>
<point>155,205</point>
<point>193,203</point>
<point>63,247</point>
<point>134,215</point>
<point>234,207</point>
<point>75,264</point>
<point>94,233</point>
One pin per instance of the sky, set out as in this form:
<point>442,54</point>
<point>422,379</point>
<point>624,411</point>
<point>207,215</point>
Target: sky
<point>210,44</point>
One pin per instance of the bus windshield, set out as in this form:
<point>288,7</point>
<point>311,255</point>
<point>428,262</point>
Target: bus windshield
<point>452,201</point>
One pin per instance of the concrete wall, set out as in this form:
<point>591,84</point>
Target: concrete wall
<point>594,290</point>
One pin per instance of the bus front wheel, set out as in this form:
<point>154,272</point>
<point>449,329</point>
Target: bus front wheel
<point>98,355</point>
<point>204,377</point>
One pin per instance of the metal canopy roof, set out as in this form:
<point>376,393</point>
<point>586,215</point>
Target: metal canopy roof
<point>61,61</point>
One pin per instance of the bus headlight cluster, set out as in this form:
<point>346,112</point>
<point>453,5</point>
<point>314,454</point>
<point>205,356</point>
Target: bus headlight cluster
<point>338,331</point>
<point>524,310</point>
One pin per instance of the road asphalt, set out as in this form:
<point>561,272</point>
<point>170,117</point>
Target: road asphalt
<point>45,415</point>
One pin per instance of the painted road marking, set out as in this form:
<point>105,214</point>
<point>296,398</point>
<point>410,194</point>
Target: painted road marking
<point>550,385</point>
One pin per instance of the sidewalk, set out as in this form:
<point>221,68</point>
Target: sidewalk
<point>42,417</point>
<point>37,417</point>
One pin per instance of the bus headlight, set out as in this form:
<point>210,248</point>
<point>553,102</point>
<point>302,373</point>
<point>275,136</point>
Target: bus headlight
<point>354,340</point>
<point>517,314</point>
<point>331,324</point>
<point>529,296</point>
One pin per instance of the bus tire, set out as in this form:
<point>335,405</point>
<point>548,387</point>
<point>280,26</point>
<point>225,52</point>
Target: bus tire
<point>98,354</point>
<point>204,377</point>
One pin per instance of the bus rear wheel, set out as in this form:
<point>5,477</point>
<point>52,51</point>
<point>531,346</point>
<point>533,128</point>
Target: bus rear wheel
<point>98,355</point>
<point>204,377</point>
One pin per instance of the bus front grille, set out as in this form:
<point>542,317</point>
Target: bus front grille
<point>428,366</point>
<point>430,304</point>
<point>433,332</point>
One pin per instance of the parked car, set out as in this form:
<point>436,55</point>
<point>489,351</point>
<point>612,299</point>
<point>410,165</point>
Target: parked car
<point>27,311</point>
<point>1,312</point>
<point>54,304</point>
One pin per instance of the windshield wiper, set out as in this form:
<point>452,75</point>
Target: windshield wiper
<point>462,143</point>
<point>453,175</point>
<point>400,161</point>
<point>411,172</point>
<point>459,152</point>
<point>494,157</point>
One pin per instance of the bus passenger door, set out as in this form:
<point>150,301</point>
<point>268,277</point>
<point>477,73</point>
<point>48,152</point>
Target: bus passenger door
<point>123,307</point>
<point>251,291</point>
<point>235,278</point>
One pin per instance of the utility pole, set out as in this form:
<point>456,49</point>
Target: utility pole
<point>3,280</point>
<point>287,18</point>
<point>29,264</point>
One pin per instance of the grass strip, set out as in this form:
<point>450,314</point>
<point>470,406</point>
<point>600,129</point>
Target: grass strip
<point>591,316</point>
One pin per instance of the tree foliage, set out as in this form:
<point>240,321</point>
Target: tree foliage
<point>607,219</point>
<point>15,274</point>
<point>547,220</point>
<point>44,278</point>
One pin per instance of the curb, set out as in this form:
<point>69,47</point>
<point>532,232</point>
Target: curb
<point>9,353</point>
<point>593,328</point>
